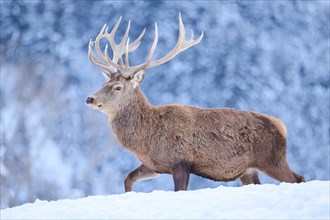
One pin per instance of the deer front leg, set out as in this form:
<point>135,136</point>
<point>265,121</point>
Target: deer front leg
<point>181,174</point>
<point>140,173</point>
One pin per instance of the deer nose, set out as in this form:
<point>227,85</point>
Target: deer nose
<point>89,100</point>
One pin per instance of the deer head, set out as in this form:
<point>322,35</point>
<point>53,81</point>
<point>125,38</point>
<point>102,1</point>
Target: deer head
<point>123,79</point>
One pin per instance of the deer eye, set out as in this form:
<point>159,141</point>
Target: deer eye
<point>118,88</point>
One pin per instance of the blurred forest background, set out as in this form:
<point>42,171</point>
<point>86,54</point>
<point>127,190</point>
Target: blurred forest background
<point>266,56</point>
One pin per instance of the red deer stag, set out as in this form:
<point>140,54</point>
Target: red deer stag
<point>221,144</point>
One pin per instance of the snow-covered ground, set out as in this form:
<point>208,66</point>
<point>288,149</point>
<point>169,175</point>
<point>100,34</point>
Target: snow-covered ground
<point>285,201</point>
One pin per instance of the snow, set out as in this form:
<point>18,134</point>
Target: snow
<point>285,201</point>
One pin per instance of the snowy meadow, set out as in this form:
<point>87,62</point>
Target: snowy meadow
<point>270,57</point>
<point>286,201</point>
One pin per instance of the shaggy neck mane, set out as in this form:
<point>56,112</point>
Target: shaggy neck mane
<point>130,122</point>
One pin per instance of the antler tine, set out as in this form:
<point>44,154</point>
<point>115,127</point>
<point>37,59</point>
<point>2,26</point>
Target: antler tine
<point>133,46</point>
<point>111,36</point>
<point>113,70</point>
<point>124,40</point>
<point>180,46</point>
<point>126,55</point>
<point>130,70</point>
<point>154,45</point>
<point>182,31</point>
<point>191,35</point>
<point>97,40</point>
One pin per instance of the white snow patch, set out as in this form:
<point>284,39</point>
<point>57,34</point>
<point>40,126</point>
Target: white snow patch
<point>285,201</point>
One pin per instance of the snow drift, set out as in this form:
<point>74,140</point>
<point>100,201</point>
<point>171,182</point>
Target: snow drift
<point>289,201</point>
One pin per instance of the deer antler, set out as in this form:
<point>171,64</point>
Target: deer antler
<point>119,50</point>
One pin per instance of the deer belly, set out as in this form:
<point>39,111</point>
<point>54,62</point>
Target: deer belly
<point>217,173</point>
<point>154,165</point>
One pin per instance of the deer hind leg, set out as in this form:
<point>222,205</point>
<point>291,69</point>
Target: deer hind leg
<point>283,173</point>
<point>140,173</point>
<point>250,177</point>
<point>299,178</point>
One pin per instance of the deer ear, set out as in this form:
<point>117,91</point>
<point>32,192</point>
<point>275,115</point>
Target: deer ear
<point>106,76</point>
<point>137,78</point>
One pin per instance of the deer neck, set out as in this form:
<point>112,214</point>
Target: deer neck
<point>132,122</point>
